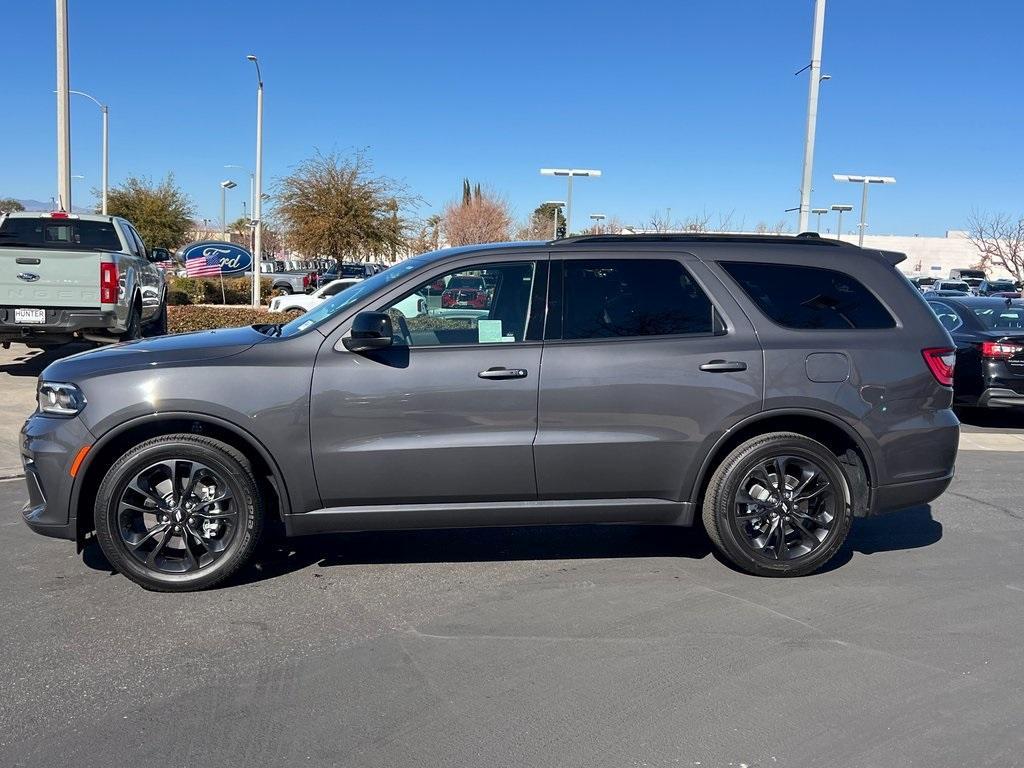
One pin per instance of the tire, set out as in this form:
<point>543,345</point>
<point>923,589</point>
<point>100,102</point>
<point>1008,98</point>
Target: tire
<point>195,546</point>
<point>158,325</point>
<point>768,533</point>
<point>281,290</point>
<point>133,330</point>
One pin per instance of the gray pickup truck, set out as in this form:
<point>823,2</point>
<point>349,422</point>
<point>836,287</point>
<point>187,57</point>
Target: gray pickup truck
<point>66,276</point>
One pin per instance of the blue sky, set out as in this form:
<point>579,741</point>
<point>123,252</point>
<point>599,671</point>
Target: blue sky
<point>685,105</point>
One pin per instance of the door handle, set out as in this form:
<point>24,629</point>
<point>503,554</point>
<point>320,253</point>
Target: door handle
<point>724,366</point>
<point>503,373</point>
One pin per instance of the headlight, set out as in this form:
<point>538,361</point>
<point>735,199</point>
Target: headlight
<point>59,399</point>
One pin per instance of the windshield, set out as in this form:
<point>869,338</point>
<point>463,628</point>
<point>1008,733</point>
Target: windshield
<point>952,286</point>
<point>1001,318</point>
<point>63,234</point>
<point>342,301</point>
<point>1002,285</point>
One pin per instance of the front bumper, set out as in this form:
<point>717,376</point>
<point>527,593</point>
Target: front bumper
<point>48,448</point>
<point>60,322</point>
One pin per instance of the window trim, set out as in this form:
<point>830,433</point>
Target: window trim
<point>720,264</point>
<point>558,268</point>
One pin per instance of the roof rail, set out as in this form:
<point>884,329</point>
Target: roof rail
<point>804,238</point>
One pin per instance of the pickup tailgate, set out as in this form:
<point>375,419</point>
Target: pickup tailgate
<point>44,277</point>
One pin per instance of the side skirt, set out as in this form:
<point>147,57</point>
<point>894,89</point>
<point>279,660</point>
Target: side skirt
<point>396,517</point>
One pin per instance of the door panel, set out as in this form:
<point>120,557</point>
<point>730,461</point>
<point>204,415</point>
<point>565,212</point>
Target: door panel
<point>421,426</point>
<point>630,417</point>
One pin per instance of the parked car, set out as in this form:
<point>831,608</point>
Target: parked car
<point>465,292</point>
<point>304,302</point>
<point>342,269</point>
<point>922,282</point>
<point>958,287</point>
<point>1007,289</point>
<point>973,277</point>
<point>989,337</point>
<point>287,283</point>
<point>776,386</point>
<point>73,276</point>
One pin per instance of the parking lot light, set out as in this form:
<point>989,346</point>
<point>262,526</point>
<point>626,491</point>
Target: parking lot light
<point>865,180</point>
<point>569,173</point>
<point>224,187</point>
<point>257,203</point>
<point>840,208</point>
<point>819,211</point>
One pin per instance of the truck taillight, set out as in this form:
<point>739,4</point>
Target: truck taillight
<point>941,361</point>
<point>108,283</point>
<point>1000,350</point>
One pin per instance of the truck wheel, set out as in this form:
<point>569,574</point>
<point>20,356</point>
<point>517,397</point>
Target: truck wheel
<point>134,328</point>
<point>178,513</point>
<point>282,290</point>
<point>778,505</point>
<point>158,325</point>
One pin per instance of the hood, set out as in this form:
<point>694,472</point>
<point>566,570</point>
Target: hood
<point>155,352</point>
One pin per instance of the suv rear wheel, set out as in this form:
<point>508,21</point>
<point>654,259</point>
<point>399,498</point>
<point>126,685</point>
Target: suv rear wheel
<point>778,505</point>
<point>178,513</point>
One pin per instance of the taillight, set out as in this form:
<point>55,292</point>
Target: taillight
<point>941,361</point>
<point>108,283</point>
<point>60,215</point>
<point>1000,350</point>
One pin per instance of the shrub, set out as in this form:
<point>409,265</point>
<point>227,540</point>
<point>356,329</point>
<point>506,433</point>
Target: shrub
<point>202,318</point>
<point>206,290</point>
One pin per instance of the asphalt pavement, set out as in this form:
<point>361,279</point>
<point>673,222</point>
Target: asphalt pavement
<point>565,646</point>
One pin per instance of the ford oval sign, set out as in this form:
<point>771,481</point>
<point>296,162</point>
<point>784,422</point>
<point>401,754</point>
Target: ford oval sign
<point>214,257</point>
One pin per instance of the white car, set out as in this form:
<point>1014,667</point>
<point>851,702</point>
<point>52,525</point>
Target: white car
<point>303,302</point>
<point>412,306</point>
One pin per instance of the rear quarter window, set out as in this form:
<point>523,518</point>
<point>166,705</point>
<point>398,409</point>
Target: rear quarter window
<point>809,298</point>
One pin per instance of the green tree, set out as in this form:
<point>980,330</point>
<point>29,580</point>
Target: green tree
<point>335,206</point>
<point>467,196</point>
<point>10,205</point>
<point>162,213</point>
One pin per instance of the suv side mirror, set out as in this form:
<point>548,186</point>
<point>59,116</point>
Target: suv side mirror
<point>159,254</point>
<point>370,330</point>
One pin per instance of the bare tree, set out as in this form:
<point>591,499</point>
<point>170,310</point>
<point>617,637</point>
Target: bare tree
<point>999,239</point>
<point>483,217</point>
<point>336,206</point>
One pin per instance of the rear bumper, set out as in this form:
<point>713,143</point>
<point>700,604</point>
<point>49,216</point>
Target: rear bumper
<point>889,498</point>
<point>997,397</point>
<point>60,322</point>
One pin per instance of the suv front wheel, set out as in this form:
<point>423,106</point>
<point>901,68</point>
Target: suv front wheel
<point>778,505</point>
<point>178,512</point>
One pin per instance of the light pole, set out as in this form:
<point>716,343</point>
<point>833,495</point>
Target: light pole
<point>597,218</point>
<point>570,172</point>
<point>257,202</point>
<point>63,111</point>
<point>252,182</point>
<point>815,79</point>
<point>557,204</point>
<point>865,180</point>
<point>224,187</point>
<point>840,208</point>
<point>106,143</point>
<point>819,211</point>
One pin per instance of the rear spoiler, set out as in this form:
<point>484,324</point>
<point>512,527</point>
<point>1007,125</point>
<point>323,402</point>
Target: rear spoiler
<point>893,257</point>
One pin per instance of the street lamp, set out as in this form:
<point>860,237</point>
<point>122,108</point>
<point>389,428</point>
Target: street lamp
<point>557,204</point>
<point>840,208</point>
<point>813,84</point>
<point>569,172</point>
<point>224,187</point>
<point>106,144</point>
<point>865,180</point>
<point>257,201</point>
<point>597,218</point>
<point>252,181</point>
<point>819,211</point>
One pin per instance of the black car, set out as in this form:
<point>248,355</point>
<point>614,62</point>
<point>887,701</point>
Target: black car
<point>342,269</point>
<point>989,337</point>
<point>1005,288</point>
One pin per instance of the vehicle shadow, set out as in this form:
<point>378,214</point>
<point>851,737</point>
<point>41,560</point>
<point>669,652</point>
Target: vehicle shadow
<point>31,362</point>
<point>992,418</point>
<point>277,555</point>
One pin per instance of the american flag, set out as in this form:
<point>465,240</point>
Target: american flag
<point>197,267</point>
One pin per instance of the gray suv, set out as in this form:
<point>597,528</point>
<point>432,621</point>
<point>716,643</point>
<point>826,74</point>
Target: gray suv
<point>776,387</point>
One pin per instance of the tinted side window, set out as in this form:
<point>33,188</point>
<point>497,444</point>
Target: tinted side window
<point>615,298</point>
<point>809,297</point>
<point>948,316</point>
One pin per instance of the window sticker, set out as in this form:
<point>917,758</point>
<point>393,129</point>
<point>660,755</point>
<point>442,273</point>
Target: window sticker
<point>489,331</point>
